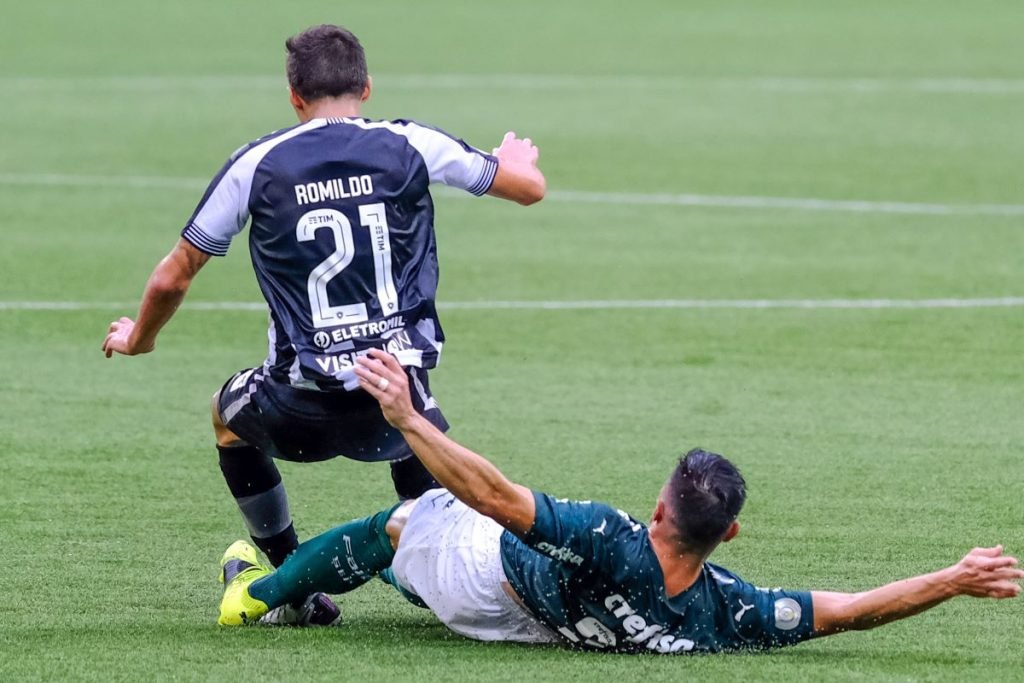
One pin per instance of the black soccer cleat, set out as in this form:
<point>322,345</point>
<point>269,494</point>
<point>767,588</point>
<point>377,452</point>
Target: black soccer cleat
<point>316,610</point>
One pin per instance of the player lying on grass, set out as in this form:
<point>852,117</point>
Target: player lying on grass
<point>497,561</point>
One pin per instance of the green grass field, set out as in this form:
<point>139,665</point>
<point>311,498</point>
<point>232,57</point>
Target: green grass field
<point>877,442</point>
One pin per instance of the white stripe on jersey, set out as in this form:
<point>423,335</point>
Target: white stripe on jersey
<point>226,210</point>
<point>271,343</point>
<point>448,162</point>
<point>428,330</point>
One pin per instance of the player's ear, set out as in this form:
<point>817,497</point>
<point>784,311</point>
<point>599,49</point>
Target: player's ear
<point>658,515</point>
<point>297,102</point>
<point>731,532</point>
<point>368,89</point>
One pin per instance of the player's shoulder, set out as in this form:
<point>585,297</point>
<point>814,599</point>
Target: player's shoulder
<point>730,585</point>
<point>253,151</point>
<point>401,124</point>
<point>416,132</point>
<point>596,510</point>
<point>778,616</point>
<point>620,521</point>
<point>607,525</point>
<point>402,127</point>
<point>722,577</point>
<point>624,544</point>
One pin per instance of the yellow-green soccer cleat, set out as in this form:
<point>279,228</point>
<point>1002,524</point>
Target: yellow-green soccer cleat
<point>239,551</point>
<point>239,567</point>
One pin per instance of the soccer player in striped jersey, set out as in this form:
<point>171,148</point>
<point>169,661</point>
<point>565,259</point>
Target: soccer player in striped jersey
<point>495,560</point>
<point>342,243</point>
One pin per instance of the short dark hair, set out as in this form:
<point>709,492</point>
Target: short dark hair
<point>704,496</point>
<point>326,61</point>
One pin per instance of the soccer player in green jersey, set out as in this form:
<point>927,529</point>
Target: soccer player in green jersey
<point>497,561</point>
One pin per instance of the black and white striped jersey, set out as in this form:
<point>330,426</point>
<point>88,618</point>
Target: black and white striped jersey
<point>342,239</point>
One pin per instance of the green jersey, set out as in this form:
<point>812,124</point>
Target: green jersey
<point>589,572</point>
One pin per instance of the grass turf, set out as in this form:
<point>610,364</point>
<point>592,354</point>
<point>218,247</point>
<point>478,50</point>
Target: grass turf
<point>877,443</point>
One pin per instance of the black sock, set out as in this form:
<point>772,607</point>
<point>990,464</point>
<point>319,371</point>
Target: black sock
<point>411,478</point>
<point>278,547</point>
<point>255,483</point>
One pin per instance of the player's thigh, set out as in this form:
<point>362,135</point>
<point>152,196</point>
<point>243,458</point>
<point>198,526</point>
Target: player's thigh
<point>445,550</point>
<point>302,425</point>
<point>450,557</point>
<point>235,413</point>
<point>310,425</point>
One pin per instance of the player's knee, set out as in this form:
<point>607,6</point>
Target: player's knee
<point>215,408</point>
<point>225,437</point>
<point>396,523</point>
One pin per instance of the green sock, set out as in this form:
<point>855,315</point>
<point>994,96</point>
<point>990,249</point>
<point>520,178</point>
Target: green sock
<point>334,562</point>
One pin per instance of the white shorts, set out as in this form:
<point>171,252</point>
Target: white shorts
<point>450,556</point>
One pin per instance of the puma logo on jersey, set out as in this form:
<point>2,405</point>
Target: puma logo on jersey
<point>743,610</point>
<point>633,524</point>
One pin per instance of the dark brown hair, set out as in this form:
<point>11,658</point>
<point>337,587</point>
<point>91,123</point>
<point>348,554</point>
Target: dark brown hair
<point>326,61</point>
<point>705,494</point>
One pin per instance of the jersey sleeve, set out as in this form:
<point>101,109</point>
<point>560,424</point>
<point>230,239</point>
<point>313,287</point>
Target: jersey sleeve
<point>451,161</point>
<point>223,211</point>
<point>583,534</point>
<point>767,617</point>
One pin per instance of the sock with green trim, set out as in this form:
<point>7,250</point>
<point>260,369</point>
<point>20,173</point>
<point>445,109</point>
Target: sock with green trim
<point>334,562</point>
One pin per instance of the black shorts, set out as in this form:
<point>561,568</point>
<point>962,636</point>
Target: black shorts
<point>305,426</point>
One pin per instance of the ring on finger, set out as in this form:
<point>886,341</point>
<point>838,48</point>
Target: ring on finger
<point>383,384</point>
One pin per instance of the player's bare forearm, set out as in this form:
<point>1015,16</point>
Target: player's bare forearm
<point>469,476</point>
<point>164,293</point>
<point>519,183</point>
<point>518,178</point>
<point>837,612</point>
<point>984,572</point>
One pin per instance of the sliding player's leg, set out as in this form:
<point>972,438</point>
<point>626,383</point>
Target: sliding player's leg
<point>449,560</point>
<point>337,561</point>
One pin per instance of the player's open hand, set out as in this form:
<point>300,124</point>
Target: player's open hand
<point>518,178</point>
<point>381,375</point>
<point>988,573</point>
<point>516,150</point>
<point>119,339</point>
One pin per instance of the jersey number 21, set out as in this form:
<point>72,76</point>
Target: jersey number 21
<point>372,217</point>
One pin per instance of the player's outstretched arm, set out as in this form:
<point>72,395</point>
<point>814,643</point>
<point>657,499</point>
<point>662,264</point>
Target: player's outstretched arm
<point>165,291</point>
<point>518,178</point>
<point>982,573</point>
<point>470,477</point>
